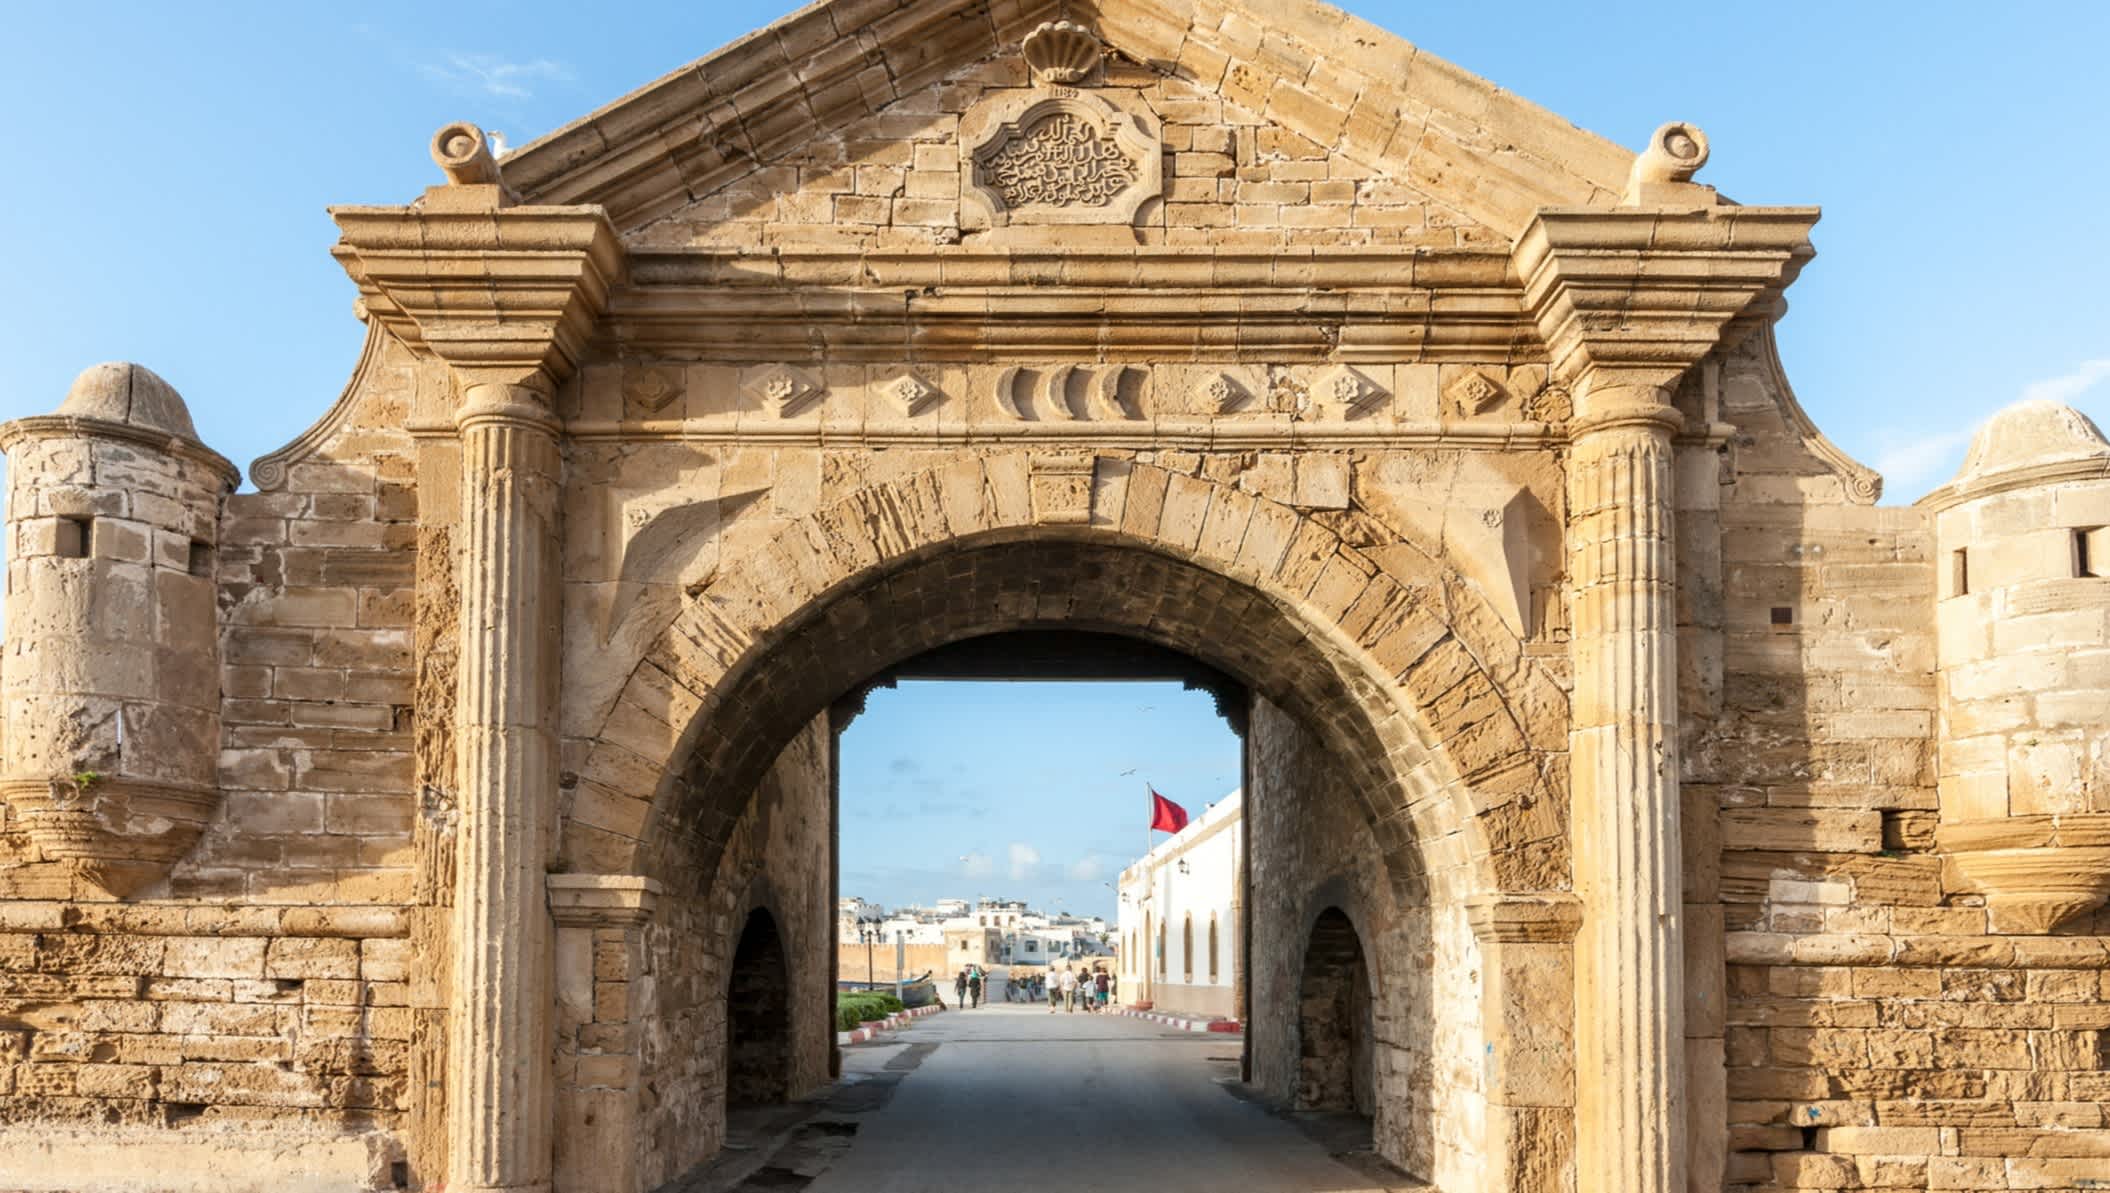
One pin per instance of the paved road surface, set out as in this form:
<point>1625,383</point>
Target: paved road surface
<point>1013,1098</point>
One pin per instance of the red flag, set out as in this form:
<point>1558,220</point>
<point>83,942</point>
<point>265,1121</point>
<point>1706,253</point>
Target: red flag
<point>1165,814</point>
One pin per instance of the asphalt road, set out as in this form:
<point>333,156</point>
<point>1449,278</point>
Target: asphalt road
<point>1014,1098</point>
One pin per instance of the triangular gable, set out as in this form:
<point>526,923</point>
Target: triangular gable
<point>1327,77</point>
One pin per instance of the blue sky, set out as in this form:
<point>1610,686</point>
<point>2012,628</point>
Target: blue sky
<point>170,166</point>
<point>171,163</point>
<point>1023,790</point>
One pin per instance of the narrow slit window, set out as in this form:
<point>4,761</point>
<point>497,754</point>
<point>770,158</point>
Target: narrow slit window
<point>200,558</point>
<point>72,539</point>
<point>1959,572</point>
<point>2091,552</point>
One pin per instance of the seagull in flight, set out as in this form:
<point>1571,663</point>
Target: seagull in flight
<point>1131,770</point>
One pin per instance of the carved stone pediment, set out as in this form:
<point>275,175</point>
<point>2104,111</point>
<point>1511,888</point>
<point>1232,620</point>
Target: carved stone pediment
<point>1057,155</point>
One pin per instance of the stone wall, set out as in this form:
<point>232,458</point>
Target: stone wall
<point>1234,177</point>
<point>1311,850</point>
<point>781,857</point>
<point>1875,1032</point>
<point>316,600</point>
<point>203,1030</point>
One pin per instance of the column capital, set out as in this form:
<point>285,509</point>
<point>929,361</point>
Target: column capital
<point>485,403</point>
<point>503,295</point>
<point>603,900</point>
<point>1629,298</point>
<point>1544,917</point>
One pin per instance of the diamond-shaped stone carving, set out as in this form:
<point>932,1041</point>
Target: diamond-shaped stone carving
<point>783,389</point>
<point>652,389</point>
<point>1219,394</point>
<point>911,394</point>
<point>1474,393</point>
<point>1348,390</point>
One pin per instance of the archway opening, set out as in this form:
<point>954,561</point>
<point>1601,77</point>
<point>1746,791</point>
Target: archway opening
<point>1348,805</point>
<point>1335,1033</point>
<point>758,1017</point>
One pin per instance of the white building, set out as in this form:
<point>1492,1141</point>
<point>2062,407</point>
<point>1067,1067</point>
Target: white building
<point>1180,917</point>
<point>909,930</point>
<point>853,915</point>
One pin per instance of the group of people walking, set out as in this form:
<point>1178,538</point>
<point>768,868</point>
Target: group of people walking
<point>1065,989</point>
<point>1070,990</point>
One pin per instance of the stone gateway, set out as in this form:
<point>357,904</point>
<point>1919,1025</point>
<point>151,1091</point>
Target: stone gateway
<point>1634,806</point>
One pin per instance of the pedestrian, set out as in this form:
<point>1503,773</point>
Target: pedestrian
<point>974,985</point>
<point>1054,984</point>
<point>959,989</point>
<point>1113,986</point>
<point>1069,990</point>
<point>1104,988</point>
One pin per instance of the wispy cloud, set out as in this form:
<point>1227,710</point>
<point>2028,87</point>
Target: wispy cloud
<point>492,75</point>
<point>977,865</point>
<point>1087,869</point>
<point>1913,461</point>
<point>1023,860</point>
<point>2069,385</point>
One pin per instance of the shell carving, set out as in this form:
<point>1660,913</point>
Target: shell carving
<point>1061,53</point>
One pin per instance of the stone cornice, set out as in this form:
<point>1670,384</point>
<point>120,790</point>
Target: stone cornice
<point>506,294</point>
<point>1634,296</point>
<point>1143,304</point>
<point>47,426</point>
<point>2032,476</point>
<point>602,900</point>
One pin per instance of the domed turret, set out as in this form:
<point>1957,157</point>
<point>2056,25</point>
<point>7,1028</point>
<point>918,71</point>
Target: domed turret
<point>2024,654</point>
<point>110,681</point>
<point>133,395</point>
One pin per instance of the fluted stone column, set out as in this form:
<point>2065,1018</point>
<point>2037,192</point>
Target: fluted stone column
<point>499,1062</point>
<point>1624,779</point>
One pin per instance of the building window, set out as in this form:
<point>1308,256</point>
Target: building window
<point>1161,950</point>
<point>2091,552</point>
<point>1187,946</point>
<point>1212,948</point>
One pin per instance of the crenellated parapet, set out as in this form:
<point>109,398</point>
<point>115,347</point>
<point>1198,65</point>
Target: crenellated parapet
<point>111,680</point>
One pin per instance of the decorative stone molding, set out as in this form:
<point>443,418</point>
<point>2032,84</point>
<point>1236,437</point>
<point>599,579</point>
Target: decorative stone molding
<point>1057,155</point>
<point>1636,296</point>
<point>268,472</point>
<point>1548,918</point>
<point>783,390</point>
<point>1474,393</point>
<point>652,388</point>
<point>1067,392</point>
<point>1663,172</point>
<point>911,394</point>
<point>603,900</point>
<point>1062,53</point>
<point>1348,390</point>
<point>1220,393</point>
<point>116,834</point>
<point>512,297</point>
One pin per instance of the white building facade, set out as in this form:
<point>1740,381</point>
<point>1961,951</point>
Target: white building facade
<point>1180,924</point>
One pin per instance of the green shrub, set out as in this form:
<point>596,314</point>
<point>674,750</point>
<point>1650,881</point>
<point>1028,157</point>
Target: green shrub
<point>853,1008</point>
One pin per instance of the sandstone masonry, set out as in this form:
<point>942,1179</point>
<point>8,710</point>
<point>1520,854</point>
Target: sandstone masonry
<point>1633,805</point>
